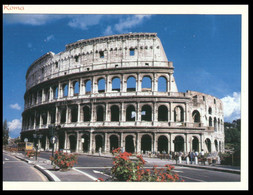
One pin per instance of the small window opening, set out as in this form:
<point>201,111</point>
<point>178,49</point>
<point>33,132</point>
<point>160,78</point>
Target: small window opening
<point>101,54</point>
<point>76,58</point>
<point>56,64</point>
<point>131,52</point>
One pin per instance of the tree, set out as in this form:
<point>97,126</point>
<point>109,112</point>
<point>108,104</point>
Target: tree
<point>5,133</point>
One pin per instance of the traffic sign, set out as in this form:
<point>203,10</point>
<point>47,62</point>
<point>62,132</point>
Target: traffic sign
<point>53,139</point>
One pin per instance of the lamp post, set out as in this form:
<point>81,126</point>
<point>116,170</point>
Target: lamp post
<point>36,137</point>
<point>52,133</point>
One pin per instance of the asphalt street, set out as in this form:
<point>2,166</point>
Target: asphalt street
<point>96,167</point>
<point>17,170</point>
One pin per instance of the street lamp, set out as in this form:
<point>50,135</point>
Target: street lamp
<point>36,137</point>
<point>53,138</point>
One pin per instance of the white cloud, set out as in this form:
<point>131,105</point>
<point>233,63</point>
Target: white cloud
<point>15,125</point>
<point>129,22</point>
<point>108,30</point>
<point>83,21</point>
<point>49,38</point>
<point>31,19</point>
<point>15,106</point>
<point>232,106</point>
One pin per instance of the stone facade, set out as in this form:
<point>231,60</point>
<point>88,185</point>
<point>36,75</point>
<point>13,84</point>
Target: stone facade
<point>118,91</point>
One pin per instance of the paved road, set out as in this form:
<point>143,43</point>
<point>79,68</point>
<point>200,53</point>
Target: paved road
<point>17,170</point>
<point>100,167</point>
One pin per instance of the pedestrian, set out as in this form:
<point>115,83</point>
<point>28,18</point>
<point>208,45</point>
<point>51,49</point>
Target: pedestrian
<point>192,156</point>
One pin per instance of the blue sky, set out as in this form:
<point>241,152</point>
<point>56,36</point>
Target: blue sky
<point>205,50</point>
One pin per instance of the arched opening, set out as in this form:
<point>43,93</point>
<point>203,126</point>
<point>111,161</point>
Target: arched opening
<point>162,84</point>
<point>99,142</point>
<point>208,144</point>
<point>61,140</point>
<point>216,145</point>
<point>116,84</point>
<point>146,113</point>
<point>209,110</point>
<point>179,144</point>
<point>131,84</point>
<point>163,144</point>
<point>74,111</point>
<point>55,92</point>
<point>196,116</point>
<point>215,124</point>
<point>65,90</point>
<point>72,143</point>
<point>86,143</point>
<point>88,87</point>
<point>76,88</point>
<point>114,113</point>
<point>178,114</point>
<point>210,122</point>
<point>63,115</point>
<point>146,143</point>
<point>195,144</point>
<point>86,113</point>
<point>114,142</point>
<point>101,85</point>
<point>129,144</point>
<point>162,113</point>
<point>130,113</point>
<point>146,83</point>
<point>100,113</point>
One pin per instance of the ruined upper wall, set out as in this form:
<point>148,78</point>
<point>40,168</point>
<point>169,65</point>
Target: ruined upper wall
<point>116,51</point>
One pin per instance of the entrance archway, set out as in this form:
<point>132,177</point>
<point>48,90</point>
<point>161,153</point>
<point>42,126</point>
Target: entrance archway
<point>208,144</point>
<point>146,143</point>
<point>86,143</point>
<point>179,144</point>
<point>72,143</point>
<point>129,144</point>
<point>114,142</point>
<point>163,144</point>
<point>99,142</point>
<point>195,144</point>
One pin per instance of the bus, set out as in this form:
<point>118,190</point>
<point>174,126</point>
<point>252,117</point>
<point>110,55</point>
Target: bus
<point>23,146</point>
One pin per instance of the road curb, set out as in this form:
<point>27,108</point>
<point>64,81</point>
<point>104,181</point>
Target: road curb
<point>47,173</point>
<point>211,168</point>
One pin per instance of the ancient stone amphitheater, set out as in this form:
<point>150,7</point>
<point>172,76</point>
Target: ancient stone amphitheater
<point>117,91</point>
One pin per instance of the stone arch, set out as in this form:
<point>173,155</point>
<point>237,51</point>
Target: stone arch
<point>88,86</point>
<point>98,142</point>
<point>131,83</point>
<point>146,143</point>
<point>162,113</point>
<point>114,142</point>
<point>196,116</point>
<point>86,143</point>
<point>163,143</point>
<point>129,143</point>
<point>72,142</point>
<point>101,85</point>
<point>208,144</point>
<point>146,113</point>
<point>195,143</point>
<point>162,84</point>
<point>179,143</point>
<point>86,113</point>
<point>146,83</point>
<point>116,83</point>
<point>115,113</point>
<point>130,113</point>
<point>100,113</point>
<point>178,114</point>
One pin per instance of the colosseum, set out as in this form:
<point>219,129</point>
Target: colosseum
<point>117,91</point>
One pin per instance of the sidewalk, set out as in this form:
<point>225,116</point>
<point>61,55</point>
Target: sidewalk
<point>44,166</point>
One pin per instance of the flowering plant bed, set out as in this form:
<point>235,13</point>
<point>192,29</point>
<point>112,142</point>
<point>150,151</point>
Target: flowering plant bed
<point>125,169</point>
<point>64,160</point>
<point>30,153</point>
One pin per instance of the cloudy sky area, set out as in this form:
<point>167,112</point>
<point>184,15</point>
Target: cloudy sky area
<point>205,50</point>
